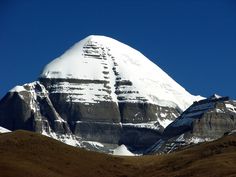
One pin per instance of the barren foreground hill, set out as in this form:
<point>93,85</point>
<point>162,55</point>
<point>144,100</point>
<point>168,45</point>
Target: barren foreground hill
<point>27,154</point>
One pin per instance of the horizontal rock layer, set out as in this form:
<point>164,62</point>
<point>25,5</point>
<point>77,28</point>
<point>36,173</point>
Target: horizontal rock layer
<point>37,107</point>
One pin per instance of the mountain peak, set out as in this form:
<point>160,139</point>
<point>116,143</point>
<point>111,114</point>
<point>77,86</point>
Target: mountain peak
<point>100,38</point>
<point>214,96</point>
<point>107,60</point>
<point>83,60</point>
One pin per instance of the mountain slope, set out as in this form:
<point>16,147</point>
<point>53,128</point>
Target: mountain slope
<point>41,156</point>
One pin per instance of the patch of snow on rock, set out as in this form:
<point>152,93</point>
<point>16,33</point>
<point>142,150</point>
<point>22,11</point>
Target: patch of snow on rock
<point>122,150</point>
<point>165,122</point>
<point>17,88</point>
<point>94,144</point>
<point>197,140</point>
<point>4,130</point>
<point>231,107</point>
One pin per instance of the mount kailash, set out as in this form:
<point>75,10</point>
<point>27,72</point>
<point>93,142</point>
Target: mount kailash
<point>101,94</point>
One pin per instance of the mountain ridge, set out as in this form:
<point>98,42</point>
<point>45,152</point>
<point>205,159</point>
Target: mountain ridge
<point>204,120</point>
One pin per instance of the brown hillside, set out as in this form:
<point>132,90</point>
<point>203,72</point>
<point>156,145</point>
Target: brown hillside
<point>27,154</point>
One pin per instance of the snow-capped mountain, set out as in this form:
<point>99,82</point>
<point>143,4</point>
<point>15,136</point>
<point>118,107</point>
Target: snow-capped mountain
<point>99,94</point>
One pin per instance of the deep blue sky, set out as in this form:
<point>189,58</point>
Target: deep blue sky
<point>194,41</point>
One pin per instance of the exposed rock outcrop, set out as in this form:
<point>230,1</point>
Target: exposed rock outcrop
<point>205,120</point>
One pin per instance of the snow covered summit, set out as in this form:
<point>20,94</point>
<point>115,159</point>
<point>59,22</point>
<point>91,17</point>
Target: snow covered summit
<point>122,71</point>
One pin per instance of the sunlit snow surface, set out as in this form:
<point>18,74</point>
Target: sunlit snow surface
<point>17,88</point>
<point>122,151</point>
<point>231,107</point>
<point>101,58</point>
<point>4,130</point>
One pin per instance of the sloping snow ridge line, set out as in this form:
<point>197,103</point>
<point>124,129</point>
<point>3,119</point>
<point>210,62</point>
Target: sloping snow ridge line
<point>4,130</point>
<point>17,88</point>
<point>102,58</point>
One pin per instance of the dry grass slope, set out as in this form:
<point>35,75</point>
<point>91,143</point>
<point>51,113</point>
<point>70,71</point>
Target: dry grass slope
<point>27,154</point>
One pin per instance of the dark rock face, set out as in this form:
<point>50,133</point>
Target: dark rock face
<point>31,109</point>
<point>144,112</point>
<point>214,125</point>
<point>139,139</point>
<point>97,131</point>
<point>14,116</point>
